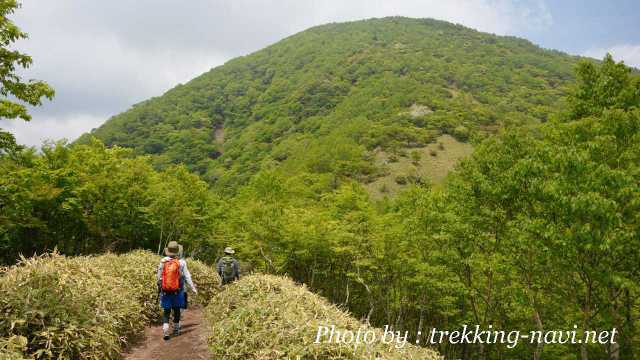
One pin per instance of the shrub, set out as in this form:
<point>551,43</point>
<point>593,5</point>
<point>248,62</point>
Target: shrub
<point>461,133</point>
<point>415,179</point>
<point>270,317</point>
<point>401,180</point>
<point>433,152</point>
<point>416,156</point>
<point>82,307</point>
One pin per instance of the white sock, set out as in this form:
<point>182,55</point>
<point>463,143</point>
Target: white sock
<point>165,327</point>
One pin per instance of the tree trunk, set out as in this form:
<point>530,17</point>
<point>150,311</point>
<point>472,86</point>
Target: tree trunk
<point>584,355</point>
<point>346,298</point>
<point>398,323</point>
<point>482,355</point>
<point>160,242</point>
<point>420,324</point>
<point>630,328</point>
<point>614,348</point>
<point>366,287</point>
<point>267,260</point>
<point>538,352</point>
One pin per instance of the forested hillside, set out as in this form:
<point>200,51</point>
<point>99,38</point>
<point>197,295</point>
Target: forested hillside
<point>325,99</point>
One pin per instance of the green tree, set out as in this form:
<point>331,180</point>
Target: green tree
<point>558,209</point>
<point>89,198</point>
<point>12,86</point>
<point>602,87</point>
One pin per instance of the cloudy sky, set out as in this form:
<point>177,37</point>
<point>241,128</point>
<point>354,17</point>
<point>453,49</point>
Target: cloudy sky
<point>104,56</point>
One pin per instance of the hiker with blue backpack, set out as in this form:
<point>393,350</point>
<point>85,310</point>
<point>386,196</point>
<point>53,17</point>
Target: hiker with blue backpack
<point>228,267</point>
<point>172,276</point>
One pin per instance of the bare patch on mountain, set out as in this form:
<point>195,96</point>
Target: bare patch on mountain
<point>417,110</point>
<point>431,163</point>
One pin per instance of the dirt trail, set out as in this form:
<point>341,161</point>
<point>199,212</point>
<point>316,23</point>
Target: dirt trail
<point>191,344</point>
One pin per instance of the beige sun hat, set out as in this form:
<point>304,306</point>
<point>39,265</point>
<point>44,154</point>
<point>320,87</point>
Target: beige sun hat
<point>173,249</point>
<point>229,250</point>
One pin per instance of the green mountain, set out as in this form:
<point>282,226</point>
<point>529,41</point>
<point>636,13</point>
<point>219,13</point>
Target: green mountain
<point>349,100</point>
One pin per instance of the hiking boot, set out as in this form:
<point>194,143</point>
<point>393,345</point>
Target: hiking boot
<point>165,331</point>
<point>176,329</point>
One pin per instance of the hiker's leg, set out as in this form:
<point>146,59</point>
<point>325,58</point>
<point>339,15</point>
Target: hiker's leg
<point>166,313</point>
<point>176,321</point>
<point>176,315</point>
<point>165,323</point>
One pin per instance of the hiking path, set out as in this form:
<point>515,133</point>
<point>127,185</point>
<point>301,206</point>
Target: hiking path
<point>191,344</point>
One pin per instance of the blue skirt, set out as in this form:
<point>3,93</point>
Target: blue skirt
<point>174,300</point>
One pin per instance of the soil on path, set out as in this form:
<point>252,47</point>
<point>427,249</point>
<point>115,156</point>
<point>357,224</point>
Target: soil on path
<point>191,344</point>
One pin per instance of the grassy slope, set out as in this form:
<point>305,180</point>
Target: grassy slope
<point>436,160</point>
<point>82,307</point>
<point>269,317</point>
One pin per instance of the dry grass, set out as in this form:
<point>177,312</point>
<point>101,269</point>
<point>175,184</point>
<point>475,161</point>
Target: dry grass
<point>82,307</point>
<point>436,161</point>
<point>269,317</point>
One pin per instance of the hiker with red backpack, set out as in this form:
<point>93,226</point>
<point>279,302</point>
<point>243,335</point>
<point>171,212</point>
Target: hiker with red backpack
<point>172,276</point>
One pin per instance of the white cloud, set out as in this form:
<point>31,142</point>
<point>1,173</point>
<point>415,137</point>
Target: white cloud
<point>103,56</point>
<point>630,54</point>
<point>35,132</point>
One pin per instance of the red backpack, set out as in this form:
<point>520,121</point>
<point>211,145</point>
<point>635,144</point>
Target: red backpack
<point>171,276</point>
